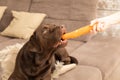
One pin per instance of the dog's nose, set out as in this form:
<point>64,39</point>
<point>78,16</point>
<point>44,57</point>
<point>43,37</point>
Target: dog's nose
<point>63,29</point>
<point>62,26</point>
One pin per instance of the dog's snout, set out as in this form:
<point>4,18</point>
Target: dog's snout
<point>62,26</point>
<point>63,29</point>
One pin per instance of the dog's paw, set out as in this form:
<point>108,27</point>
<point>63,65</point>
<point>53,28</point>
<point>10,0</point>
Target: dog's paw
<point>73,60</point>
<point>61,69</point>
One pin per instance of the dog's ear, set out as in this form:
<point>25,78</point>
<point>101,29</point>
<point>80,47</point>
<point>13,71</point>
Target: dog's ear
<point>35,40</point>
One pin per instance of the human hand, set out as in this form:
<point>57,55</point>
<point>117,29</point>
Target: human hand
<point>100,24</point>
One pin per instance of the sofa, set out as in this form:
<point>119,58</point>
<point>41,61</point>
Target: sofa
<point>98,55</point>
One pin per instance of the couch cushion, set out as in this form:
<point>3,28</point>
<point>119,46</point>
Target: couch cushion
<point>12,5</point>
<point>6,19</point>
<point>58,9</point>
<point>24,24</point>
<point>16,5</point>
<point>69,9</point>
<point>70,47</point>
<point>103,53</point>
<point>82,73</point>
<point>82,10</point>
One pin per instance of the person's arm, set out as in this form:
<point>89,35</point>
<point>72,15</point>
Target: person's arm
<point>104,22</point>
<point>114,18</point>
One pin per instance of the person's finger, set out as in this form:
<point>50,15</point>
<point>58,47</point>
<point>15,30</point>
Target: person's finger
<point>98,27</point>
<point>102,27</point>
<point>95,28</point>
<point>93,22</point>
<point>92,32</point>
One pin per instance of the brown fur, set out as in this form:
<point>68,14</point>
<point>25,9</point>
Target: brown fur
<point>36,59</point>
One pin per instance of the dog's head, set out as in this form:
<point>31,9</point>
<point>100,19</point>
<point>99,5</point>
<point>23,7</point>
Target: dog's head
<point>49,35</point>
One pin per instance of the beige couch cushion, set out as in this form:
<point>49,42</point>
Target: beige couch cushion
<point>103,53</point>
<point>82,73</point>
<point>23,24</point>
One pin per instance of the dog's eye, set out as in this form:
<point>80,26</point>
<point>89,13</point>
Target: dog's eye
<point>45,27</point>
<point>51,30</point>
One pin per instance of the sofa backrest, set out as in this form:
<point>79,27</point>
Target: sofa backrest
<point>71,13</point>
<point>21,5</point>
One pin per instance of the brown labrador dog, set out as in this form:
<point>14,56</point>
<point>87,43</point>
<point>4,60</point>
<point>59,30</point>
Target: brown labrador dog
<point>36,59</point>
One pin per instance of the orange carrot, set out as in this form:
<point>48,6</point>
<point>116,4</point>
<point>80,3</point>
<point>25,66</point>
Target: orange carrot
<point>78,32</point>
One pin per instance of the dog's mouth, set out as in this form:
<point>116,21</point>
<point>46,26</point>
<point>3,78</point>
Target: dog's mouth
<point>62,42</point>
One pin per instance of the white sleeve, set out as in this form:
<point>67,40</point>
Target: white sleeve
<point>114,18</point>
